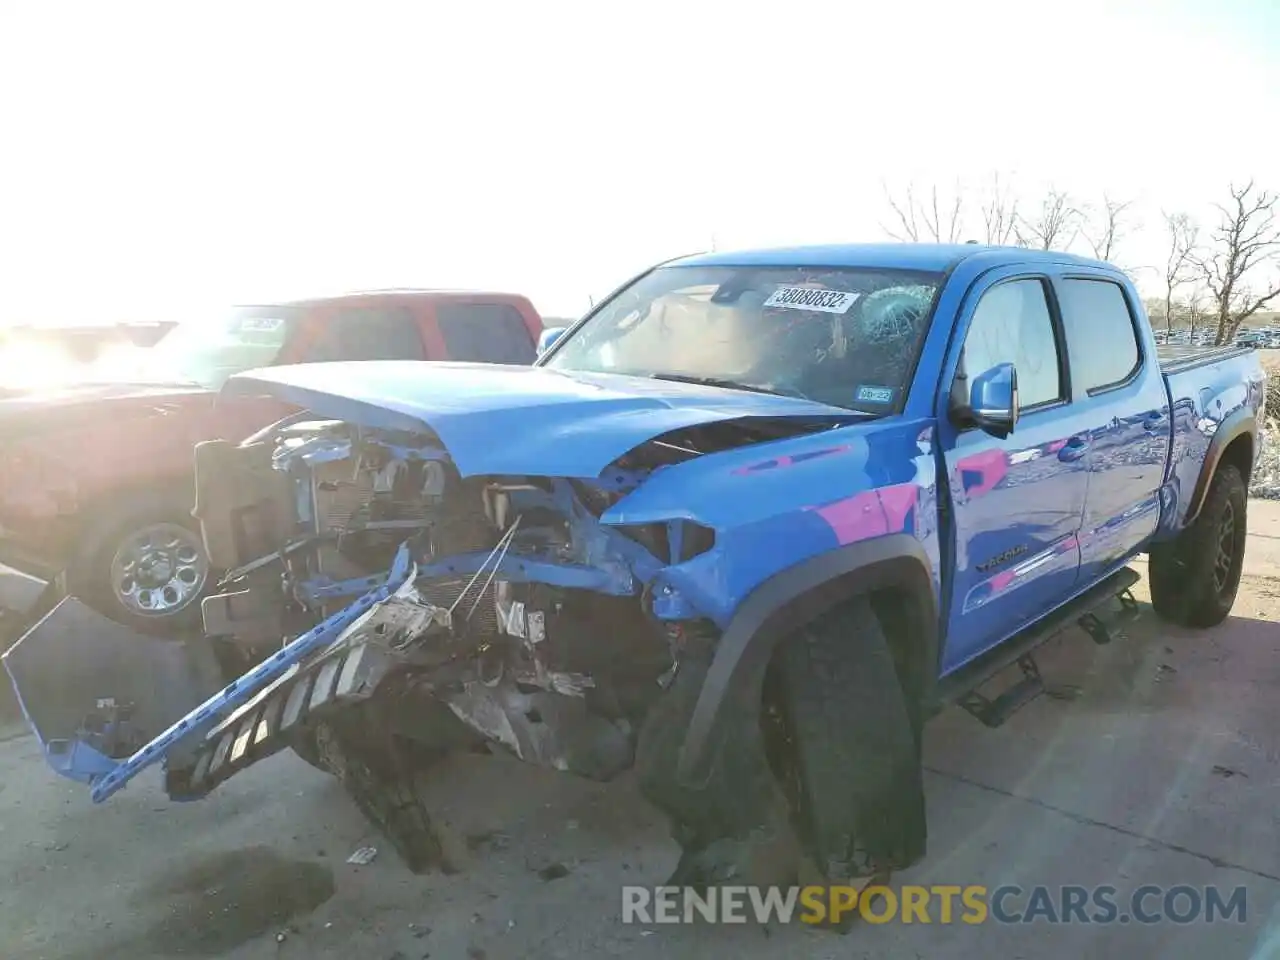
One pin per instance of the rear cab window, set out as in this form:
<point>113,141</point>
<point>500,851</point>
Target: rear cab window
<point>1102,339</point>
<point>366,332</point>
<point>485,333</point>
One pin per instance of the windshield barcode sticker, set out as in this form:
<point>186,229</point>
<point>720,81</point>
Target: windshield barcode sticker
<point>875,394</point>
<point>260,324</point>
<point>807,298</point>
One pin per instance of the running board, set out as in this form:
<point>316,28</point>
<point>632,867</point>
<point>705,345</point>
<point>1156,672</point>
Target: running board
<point>962,686</point>
<point>993,712</point>
<point>1101,630</point>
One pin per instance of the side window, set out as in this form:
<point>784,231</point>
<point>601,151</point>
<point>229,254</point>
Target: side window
<point>373,332</point>
<point>485,333</point>
<point>1101,340</point>
<point>1011,324</point>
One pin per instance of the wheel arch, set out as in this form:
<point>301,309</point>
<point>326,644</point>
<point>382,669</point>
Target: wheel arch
<point>1234,442</point>
<point>894,569</point>
<point>96,515</point>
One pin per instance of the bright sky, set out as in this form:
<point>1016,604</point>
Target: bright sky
<point>156,161</point>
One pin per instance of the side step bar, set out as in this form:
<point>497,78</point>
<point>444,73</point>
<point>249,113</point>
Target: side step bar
<point>961,687</point>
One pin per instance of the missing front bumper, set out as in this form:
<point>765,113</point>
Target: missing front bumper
<point>94,691</point>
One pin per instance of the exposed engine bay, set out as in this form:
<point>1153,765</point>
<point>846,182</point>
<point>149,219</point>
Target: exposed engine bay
<point>511,607</point>
<point>381,609</point>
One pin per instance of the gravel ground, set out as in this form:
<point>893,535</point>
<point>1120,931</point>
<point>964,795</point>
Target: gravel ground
<point>1266,475</point>
<point>1156,760</point>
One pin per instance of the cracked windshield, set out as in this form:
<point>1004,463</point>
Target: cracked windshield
<point>845,337</point>
<point>540,482</point>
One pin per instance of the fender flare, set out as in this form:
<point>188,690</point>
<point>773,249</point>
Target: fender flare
<point>1243,421</point>
<point>794,597</point>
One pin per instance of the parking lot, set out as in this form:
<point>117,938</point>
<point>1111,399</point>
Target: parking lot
<point>1155,761</point>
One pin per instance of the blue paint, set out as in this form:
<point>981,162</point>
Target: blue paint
<point>76,760</point>
<point>1201,400</point>
<point>893,256</point>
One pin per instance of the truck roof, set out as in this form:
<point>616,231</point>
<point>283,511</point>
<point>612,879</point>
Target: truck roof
<point>910,256</point>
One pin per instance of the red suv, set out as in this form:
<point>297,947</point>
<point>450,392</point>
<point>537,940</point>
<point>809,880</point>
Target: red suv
<point>96,477</point>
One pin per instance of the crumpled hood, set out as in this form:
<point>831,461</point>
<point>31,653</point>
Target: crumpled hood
<point>504,419</point>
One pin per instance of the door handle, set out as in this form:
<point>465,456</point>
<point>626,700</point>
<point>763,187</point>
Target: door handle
<point>1074,449</point>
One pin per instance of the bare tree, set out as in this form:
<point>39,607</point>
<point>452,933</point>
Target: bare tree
<point>999,213</point>
<point>930,219</point>
<point>1194,310</point>
<point>1247,237</point>
<point>1179,268</point>
<point>1054,226</point>
<point>1105,238</point>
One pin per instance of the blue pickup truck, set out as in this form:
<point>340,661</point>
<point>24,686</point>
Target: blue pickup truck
<point>743,528</point>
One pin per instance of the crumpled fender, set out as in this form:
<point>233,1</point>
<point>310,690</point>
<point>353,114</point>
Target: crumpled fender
<point>732,689</point>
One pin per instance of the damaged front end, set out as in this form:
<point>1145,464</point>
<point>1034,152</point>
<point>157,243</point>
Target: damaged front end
<point>395,591</point>
<point>363,566</point>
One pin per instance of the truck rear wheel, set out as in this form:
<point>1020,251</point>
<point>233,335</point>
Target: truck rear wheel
<point>1194,578</point>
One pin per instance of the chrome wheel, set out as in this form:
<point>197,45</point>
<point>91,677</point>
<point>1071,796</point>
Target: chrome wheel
<point>1225,558</point>
<point>159,570</point>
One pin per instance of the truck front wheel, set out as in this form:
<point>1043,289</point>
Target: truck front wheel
<point>1194,578</point>
<point>829,778</point>
<point>845,746</point>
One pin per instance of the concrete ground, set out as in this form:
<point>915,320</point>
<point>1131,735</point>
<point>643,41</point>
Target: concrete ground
<point>1156,761</point>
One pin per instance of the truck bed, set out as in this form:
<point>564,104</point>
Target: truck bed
<point>1175,358</point>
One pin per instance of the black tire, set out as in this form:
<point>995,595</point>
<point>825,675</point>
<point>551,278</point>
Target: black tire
<point>378,770</point>
<point>851,762</point>
<point>830,775</point>
<point>305,746</point>
<point>90,573</point>
<point>417,757</point>
<point>732,825</point>
<point>1195,577</point>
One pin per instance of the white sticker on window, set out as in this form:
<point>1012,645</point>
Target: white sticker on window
<point>875,394</point>
<point>260,324</point>
<point>809,298</point>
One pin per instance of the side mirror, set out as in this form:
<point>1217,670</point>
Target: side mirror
<point>548,337</point>
<point>993,401</point>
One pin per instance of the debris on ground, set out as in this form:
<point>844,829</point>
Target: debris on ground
<point>1063,691</point>
<point>363,856</point>
<point>1227,773</point>
<point>1265,482</point>
<point>487,839</point>
<point>553,871</point>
